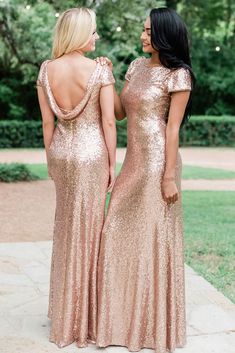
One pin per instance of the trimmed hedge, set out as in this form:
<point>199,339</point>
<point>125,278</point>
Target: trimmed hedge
<point>16,133</point>
<point>13,172</point>
<point>199,131</point>
<point>209,131</point>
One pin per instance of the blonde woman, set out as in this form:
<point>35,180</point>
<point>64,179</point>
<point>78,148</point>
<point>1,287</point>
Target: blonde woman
<point>81,160</point>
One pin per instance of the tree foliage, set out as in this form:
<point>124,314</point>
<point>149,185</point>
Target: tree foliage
<point>212,27</point>
<point>26,30</point>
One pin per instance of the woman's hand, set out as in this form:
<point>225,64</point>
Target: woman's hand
<point>169,191</point>
<point>112,178</point>
<point>103,60</point>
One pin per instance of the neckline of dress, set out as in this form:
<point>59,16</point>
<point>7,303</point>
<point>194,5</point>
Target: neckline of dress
<point>86,91</point>
<point>146,61</point>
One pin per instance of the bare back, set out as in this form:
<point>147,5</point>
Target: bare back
<point>68,78</point>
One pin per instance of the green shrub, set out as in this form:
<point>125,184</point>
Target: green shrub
<point>15,172</point>
<point>16,133</point>
<point>199,131</point>
<point>209,131</point>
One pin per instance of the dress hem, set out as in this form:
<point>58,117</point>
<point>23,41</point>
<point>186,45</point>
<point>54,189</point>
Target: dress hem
<point>79,345</point>
<point>104,345</point>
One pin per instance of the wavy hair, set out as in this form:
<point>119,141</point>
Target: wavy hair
<point>169,36</point>
<point>73,31</point>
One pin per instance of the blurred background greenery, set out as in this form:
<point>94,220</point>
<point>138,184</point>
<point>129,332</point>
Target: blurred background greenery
<point>26,29</point>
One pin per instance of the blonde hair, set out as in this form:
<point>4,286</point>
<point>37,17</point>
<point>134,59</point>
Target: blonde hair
<point>73,31</point>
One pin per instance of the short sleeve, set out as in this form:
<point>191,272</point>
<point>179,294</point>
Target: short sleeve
<point>180,80</point>
<point>107,76</point>
<point>132,68</point>
<point>41,74</point>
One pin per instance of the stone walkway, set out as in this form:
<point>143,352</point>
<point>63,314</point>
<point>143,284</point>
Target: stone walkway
<point>25,252</point>
<point>24,279</point>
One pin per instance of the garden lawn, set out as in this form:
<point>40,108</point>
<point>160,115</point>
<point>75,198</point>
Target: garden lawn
<point>189,172</point>
<point>209,233</point>
<point>209,223</point>
<point>41,170</point>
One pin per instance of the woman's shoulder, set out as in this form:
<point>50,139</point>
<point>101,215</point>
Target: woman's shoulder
<point>137,61</point>
<point>105,75</point>
<point>42,72</point>
<point>44,63</point>
<point>179,79</point>
<point>179,71</point>
<point>89,63</point>
<point>133,66</point>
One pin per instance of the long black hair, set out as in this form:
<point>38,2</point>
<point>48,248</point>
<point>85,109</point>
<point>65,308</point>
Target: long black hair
<point>169,36</point>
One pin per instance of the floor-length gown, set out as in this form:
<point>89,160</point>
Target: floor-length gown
<point>78,164</point>
<point>141,299</point>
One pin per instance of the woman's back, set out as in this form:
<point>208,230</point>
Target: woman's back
<point>68,79</point>
<point>80,153</point>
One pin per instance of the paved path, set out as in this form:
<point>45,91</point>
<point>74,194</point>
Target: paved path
<point>212,185</point>
<point>24,278</point>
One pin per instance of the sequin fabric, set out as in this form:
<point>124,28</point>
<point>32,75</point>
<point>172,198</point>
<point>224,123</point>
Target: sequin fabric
<point>141,295</point>
<point>78,164</point>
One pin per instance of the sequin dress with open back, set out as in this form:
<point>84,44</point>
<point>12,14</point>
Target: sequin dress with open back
<point>78,164</point>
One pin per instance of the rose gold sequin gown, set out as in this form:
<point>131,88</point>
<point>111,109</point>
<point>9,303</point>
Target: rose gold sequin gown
<point>78,163</point>
<point>141,300</point>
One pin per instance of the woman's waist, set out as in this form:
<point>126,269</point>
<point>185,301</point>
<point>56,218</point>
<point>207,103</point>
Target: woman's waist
<point>147,150</point>
<point>81,130</point>
<point>78,124</point>
<point>78,137</point>
<point>148,159</point>
<point>147,141</point>
<point>146,118</point>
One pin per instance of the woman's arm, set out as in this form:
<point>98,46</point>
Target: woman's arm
<point>177,108</point>
<point>48,119</point>
<point>109,127</point>
<point>119,109</point>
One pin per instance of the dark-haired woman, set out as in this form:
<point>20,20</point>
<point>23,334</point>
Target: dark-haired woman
<point>141,299</point>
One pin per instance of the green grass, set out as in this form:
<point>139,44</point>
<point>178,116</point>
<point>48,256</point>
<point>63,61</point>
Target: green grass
<point>209,222</point>
<point>39,169</point>
<point>188,172</point>
<point>209,237</point>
